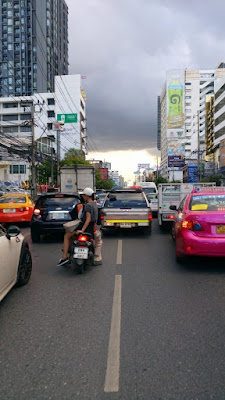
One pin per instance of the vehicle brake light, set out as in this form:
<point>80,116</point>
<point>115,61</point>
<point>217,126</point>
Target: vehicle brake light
<point>24,209</point>
<point>149,217</point>
<point>171,216</point>
<point>82,238</point>
<point>37,211</point>
<point>187,225</point>
<point>102,217</point>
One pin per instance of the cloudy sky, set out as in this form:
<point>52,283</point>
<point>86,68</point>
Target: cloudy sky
<point>124,48</point>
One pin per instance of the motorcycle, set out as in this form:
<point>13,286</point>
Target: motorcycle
<point>82,251</point>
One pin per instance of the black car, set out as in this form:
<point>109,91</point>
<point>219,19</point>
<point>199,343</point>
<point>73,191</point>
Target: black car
<point>51,211</point>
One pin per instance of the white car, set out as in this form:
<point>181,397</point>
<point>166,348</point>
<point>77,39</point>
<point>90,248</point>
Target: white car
<point>15,260</point>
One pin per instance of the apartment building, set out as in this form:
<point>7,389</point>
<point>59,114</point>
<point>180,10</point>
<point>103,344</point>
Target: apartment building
<point>33,45</point>
<point>185,139</point>
<point>67,104</point>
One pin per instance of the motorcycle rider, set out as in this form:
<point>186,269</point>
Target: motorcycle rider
<point>88,224</point>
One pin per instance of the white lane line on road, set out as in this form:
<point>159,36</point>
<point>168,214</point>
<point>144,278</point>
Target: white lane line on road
<point>119,252</point>
<point>113,361</point>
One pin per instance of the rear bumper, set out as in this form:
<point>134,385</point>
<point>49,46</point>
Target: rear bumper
<point>200,246</point>
<point>16,217</point>
<point>45,227</point>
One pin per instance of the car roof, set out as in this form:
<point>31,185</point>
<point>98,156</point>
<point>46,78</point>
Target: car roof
<point>126,191</point>
<point>56,194</point>
<point>14,194</point>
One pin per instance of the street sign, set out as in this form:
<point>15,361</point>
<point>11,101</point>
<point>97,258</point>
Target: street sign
<point>58,127</point>
<point>67,118</point>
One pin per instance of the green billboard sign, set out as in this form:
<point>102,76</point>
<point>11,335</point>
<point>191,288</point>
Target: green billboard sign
<point>67,118</point>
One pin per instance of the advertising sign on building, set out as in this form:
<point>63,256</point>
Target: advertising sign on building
<point>104,173</point>
<point>67,118</point>
<point>173,134</point>
<point>192,174</point>
<point>176,161</point>
<point>175,99</point>
<point>145,166</point>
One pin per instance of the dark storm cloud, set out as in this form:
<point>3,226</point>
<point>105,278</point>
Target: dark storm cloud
<point>125,47</point>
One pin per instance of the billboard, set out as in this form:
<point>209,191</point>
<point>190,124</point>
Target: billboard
<point>175,100</point>
<point>145,166</point>
<point>192,174</point>
<point>104,173</point>
<point>173,134</point>
<point>175,119</point>
<point>176,161</point>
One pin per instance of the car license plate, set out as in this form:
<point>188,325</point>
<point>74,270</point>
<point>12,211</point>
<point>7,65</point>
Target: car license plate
<point>9,210</point>
<point>125,225</point>
<point>81,252</point>
<point>58,216</point>
<point>220,229</point>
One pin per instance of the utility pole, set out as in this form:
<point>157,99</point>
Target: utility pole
<point>33,157</point>
<point>58,158</point>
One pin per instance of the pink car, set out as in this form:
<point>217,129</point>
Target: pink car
<point>199,225</point>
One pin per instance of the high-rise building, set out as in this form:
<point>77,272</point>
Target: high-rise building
<point>33,45</point>
<point>183,117</point>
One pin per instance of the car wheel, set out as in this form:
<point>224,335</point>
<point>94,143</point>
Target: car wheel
<point>25,267</point>
<point>35,236</point>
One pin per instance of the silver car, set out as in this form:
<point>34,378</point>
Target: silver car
<point>126,209</point>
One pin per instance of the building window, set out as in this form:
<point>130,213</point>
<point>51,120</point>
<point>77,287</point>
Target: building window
<point>220,91</point>
<point>187,83</point>
<point>49,126</point>
<point>51,102</point>
<point>10,117</point>
<point>10,105</point>
<point>25,129</point>
<point>220,119</point>
<point>51,114</point>
<point>187,97</point>
<point>18,169</point>
<point>25,117</point>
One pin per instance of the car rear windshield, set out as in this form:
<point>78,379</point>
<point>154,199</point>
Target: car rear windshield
<point>149,190</point>
<point>152,196</point>
<point>208,202</point>
<point>13,199</point>
<point>53,202</point>
<point>126,200</point>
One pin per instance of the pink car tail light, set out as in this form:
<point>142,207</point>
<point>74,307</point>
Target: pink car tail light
<point>192,226</point>
<point>187,225</point>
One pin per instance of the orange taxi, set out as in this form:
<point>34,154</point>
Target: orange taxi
<point>16,207</point>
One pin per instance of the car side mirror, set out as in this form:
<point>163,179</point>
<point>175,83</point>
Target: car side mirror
<point>173,208</point>
<point>12,231</point>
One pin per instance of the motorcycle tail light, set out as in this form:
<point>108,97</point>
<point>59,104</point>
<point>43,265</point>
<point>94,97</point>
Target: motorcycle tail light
<point>37,211</point>
<point>82,238</point>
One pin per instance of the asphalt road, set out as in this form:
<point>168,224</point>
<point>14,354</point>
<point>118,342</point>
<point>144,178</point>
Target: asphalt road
<point>139,327</point>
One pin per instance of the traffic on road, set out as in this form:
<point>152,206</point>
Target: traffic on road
<point>137,325</point>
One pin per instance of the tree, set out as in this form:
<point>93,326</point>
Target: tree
<point>213,178</point>
<point>160,179</point>
<point>44,172</point>
<point>73,157</point>
<point>102,183</point>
